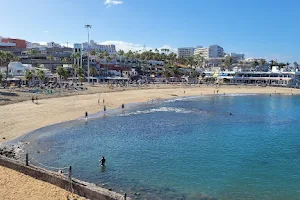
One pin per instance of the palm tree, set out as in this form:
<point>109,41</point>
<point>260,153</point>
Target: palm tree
<point>28,76</point>
<point>5,59</point>
<point>51,59</point>
<point>61,72</point>
<point>41,75</point>
<point>228,61</point>
<point>287,64</point>
<point>32,52</point>
<point>190,61</point>
<point>93,72</point>
<point>262,62</point>
<point>296,64</point>
<point>75,56</point>
<point>92,52</point>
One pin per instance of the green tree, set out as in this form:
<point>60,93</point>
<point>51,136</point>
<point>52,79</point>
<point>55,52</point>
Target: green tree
<point>61,72</point>
<point>28,76</point>
<point>296,64</point>
<point>81,79</point>
<point>76,57</point>
<point>51,59</point>
<point>288,64</point>
<point>92,52</point>
<point>228,61</point>
<point>5,58</point>
<point>93,72</point>
<point>262,62</point>
<point>41,75</point>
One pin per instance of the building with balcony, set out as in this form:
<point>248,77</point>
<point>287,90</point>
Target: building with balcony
<point>213,51</point>
<point>185,52</point>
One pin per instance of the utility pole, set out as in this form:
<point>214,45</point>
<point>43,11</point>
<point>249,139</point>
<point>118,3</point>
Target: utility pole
<point>87,26</point>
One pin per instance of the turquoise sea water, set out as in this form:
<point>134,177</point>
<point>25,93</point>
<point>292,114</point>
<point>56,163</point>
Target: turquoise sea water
<point>190,148</point>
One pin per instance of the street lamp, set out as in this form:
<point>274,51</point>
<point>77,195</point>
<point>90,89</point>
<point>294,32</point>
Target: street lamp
<point>87,26</point>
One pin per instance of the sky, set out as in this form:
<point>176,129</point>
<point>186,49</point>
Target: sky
<point>259,28</point>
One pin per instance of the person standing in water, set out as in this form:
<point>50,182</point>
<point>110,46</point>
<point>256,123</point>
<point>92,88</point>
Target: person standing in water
<point>86,115</point>
<point>102,161</point>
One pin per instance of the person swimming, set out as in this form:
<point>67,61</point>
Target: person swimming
<point>102,161</point>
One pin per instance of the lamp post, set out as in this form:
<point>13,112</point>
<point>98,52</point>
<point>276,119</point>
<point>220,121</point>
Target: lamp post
<point>87,26</point>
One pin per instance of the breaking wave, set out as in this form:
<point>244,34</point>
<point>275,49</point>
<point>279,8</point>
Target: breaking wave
<point>161,109</point>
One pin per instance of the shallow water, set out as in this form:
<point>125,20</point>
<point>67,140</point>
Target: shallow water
<point>185,149</point>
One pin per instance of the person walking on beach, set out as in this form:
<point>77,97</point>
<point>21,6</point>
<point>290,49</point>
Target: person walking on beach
<point>123,106</point>
<point>86,115</point>
<point>32,99</point>
<point>36,100</point>
<point>102,161</point>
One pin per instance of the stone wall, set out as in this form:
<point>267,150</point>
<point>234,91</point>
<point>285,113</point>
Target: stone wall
<point>84,189</point>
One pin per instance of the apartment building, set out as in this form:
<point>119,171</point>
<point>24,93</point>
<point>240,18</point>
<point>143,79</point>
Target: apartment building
<point>185,52</point>
<point>213,51</point>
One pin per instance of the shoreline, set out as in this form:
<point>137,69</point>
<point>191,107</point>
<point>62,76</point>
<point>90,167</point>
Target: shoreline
<point>22,118</point>
<point>25,117</point>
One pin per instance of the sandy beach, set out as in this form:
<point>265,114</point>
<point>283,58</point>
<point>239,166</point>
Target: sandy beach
<point>17,119</point>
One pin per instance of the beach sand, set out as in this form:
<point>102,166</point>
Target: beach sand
<point>20,118</point>
<point>15,185</point>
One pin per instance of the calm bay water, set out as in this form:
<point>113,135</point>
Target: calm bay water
<point>185,149</point>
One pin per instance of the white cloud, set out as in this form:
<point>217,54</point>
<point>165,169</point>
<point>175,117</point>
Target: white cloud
<point>126,46</point>
<point>113,2</point>
<point>45,31</point>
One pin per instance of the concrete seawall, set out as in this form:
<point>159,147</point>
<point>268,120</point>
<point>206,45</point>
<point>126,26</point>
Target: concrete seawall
<point>84,189</point>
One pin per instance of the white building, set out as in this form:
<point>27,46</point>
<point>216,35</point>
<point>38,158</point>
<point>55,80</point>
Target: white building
<point>30,45</point>
<point>213,51</point>
<point>185,52</point>
<point>237,56</point>
<point>203,52</point>
<point>53,44</point>
<point>111,49</point>
<point>156,62</point>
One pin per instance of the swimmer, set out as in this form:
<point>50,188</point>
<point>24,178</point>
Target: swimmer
<point>102,161</point>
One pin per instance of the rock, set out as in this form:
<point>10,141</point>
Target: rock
<point>3,138</point>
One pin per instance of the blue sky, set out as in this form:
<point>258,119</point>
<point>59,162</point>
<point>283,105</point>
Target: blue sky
<point>258,28</point>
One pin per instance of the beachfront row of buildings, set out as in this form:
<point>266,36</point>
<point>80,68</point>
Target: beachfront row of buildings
<point>52,55</point>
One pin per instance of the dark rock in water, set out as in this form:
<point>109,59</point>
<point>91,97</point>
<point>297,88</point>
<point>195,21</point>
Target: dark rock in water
<point>110,189</point>
<point>137,193</point>
<point>38,151</point>
<point>8,153</point>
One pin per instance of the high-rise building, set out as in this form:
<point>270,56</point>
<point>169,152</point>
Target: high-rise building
<point>185,52</point>
<point>213,51</point>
